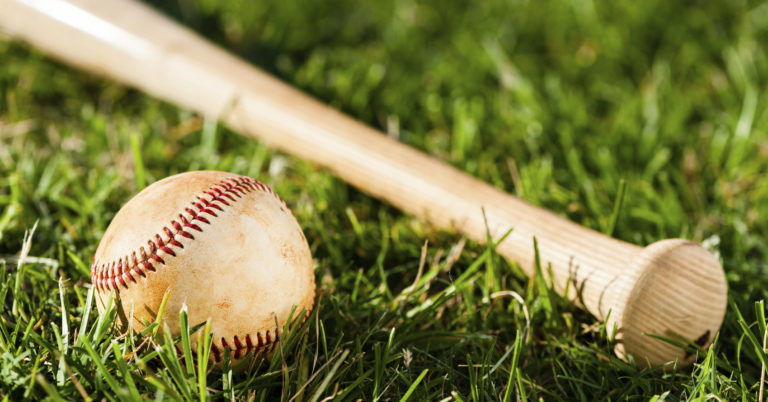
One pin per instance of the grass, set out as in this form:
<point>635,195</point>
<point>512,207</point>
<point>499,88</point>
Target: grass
<point>645,120</point>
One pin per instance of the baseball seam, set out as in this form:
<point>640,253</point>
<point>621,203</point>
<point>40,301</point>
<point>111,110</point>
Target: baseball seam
<point>240,349</point>
<point>264,343</point>
<point>125,271</point>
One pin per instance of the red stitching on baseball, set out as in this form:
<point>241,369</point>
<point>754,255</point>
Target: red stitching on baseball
<point>148,266</point>
<point>248,343</point>
<point>105,276</point>
<point>263,342</point>
<point>216,353</point>
<point>201,219</point>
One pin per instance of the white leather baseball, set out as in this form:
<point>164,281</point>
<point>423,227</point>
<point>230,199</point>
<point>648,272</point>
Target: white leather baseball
<point>225,245</point>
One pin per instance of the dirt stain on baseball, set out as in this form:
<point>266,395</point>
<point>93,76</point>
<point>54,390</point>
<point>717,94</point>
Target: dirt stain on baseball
<point>224,304</point>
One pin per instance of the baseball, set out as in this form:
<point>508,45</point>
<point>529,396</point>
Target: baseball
<point>224,245</point>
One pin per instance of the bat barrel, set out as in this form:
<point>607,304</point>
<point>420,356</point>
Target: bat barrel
<point>669,288</point>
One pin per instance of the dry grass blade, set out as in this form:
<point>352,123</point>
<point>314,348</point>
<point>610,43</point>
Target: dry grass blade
<point>419,273</point>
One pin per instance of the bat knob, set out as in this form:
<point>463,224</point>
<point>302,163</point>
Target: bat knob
<point>679,293</point>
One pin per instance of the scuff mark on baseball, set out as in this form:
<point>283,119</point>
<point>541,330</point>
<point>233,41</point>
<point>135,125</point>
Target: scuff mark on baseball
<point>225,245</point>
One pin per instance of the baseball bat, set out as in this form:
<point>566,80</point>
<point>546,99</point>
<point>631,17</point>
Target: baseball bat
<point>673,288</point>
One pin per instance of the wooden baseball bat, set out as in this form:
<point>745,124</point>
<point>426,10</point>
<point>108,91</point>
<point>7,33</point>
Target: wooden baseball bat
<point>673,288</point>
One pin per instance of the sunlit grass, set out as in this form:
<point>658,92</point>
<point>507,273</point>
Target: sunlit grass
<point>644,120</point>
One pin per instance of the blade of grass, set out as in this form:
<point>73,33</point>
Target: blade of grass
<point>49,389</point>
<point>33,377</point>
<point>160,312</point>
<point>79,264</point>
<point>60,375</point>
<point>166,351</point>
<point>618,204</point>
<point>413,386</point>
<point>102,370</point>
<point>86,315</point>
<point>760,313</point>
<point>26,244</point>
<point>203,355</point>
<point>323,385</point>
<point>185,342</point>
<point>104,322</point>
<point>125,372</point>
<point>746,330</point>
<point>138,163</point>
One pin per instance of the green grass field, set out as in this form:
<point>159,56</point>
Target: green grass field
<point>562,103</point>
